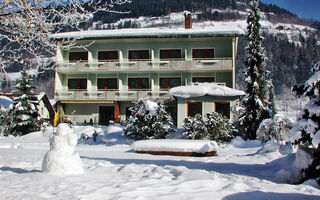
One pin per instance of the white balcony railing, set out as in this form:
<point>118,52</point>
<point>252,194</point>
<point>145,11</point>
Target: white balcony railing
<point>110,95</point>
<point>148,65</point>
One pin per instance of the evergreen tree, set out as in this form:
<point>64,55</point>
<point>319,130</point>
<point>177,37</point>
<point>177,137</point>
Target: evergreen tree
<point>24,112</point>
<point>148,120</point>
<point>306,132</point>
<point>256,101</point>
<point>214,127</point>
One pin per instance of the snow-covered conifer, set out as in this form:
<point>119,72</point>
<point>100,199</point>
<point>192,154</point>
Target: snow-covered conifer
<point>213,127</point>
<point>24,111</point>
<point>256,101</point>
<point>148,120</point>
<point>195,128</point>
<point>306,132</point>
<point>218,129</point>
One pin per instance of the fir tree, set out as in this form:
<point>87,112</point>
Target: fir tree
<point>306,132</point>
<point>148,120</point>
<point>24,112</point>
<point>256,101</point>
<point>213,127</point>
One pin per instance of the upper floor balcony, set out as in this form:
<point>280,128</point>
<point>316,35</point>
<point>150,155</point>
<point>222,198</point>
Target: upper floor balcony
<point>111,95</point>
<point>225,64</point>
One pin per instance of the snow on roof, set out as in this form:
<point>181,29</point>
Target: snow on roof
<point>40,96</point>
<point>202,89</point>
<point>175,145</point>
<point>152,33</point>
<point>5,101</point>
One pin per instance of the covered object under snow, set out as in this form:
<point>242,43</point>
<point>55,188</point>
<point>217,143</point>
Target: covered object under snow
<point>176,147</point>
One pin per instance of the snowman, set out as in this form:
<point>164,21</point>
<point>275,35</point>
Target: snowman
<point>61,159</point>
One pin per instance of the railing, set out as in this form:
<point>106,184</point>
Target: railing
<point>148,65</point>
<point>111,95</point>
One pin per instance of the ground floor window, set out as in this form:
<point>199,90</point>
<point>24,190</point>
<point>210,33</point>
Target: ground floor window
<point>167,83</point>
<point>106,114</point>
<point>107,84</point>
<point>194,108</point>
<point>203,79</point>
<point>223,108</point>
<point>138,83</point>
<point>172,110</point>
<point>77,84</point>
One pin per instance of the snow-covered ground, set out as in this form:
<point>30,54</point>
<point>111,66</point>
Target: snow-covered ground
<point>114,171</point>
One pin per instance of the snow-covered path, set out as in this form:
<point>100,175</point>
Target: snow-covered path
<point>114,171</point>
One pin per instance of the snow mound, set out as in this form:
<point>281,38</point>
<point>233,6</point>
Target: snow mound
<point>113,135</point>
<point>240,143</point>
<point>202,89</point>
<point>175,145</point>
<point>60,159</point>
<point>270,146</point>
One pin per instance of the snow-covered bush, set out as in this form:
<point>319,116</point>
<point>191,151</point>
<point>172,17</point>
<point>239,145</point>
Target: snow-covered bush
<point>61,159</point>
<point>214,127</point>
<point>194,128</point>
<point>148,120</point>
<point>274,129</point>
<point>23,113</point>
<point>306,132</point>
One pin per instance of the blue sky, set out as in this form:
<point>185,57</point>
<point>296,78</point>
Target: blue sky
<point>309,9</point>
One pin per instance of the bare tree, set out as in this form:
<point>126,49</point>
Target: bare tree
<point>25,25</point>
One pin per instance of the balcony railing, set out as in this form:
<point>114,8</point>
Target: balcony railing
<point>148,65</point>
<point>111,95</point>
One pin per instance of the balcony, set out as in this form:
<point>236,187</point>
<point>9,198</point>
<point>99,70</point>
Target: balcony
<point>147,65</point>
<point>111,95</point>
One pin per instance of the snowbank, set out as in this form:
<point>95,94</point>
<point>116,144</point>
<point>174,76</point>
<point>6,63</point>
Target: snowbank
<point>175,145</point>
<point>202,89</point>
<point>60,159</point>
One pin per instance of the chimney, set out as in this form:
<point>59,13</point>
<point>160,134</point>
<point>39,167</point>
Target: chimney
<point>187,20</point>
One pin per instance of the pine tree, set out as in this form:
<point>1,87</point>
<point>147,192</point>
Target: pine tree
<point>148,120</point>
<point>24,112</point>
<point>306,132</point>
<point>256,101</point>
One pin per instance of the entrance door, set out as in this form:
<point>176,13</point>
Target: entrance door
<point>106,113</point>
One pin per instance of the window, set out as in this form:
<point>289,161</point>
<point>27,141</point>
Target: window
<point>203,53</point>
<point>167,83</point>
<point>107,84</point>
<point>139,55</point>
<point>138,83</point>
<point>77,84</point>
<point>78,56</point>
<point>108,56</point>
<point>170,54</point>
<point>203,79</point>
<point>194,108</point>
<point>223,108</point>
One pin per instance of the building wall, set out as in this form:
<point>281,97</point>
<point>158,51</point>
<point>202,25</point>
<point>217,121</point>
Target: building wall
<point>208,105</point>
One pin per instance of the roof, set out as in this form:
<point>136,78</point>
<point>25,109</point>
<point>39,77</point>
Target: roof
<point>204,89</point>
<point>218,31</point>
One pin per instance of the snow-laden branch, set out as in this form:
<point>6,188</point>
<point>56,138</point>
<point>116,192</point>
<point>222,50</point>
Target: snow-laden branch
<point>25,25</point>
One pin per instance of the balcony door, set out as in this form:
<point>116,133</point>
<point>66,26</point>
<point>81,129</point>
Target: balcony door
<point>199,54</point>
<point>78,56</point>
<point>106,113</point>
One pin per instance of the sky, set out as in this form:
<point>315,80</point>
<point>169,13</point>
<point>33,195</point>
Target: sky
<point>309,9</point>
